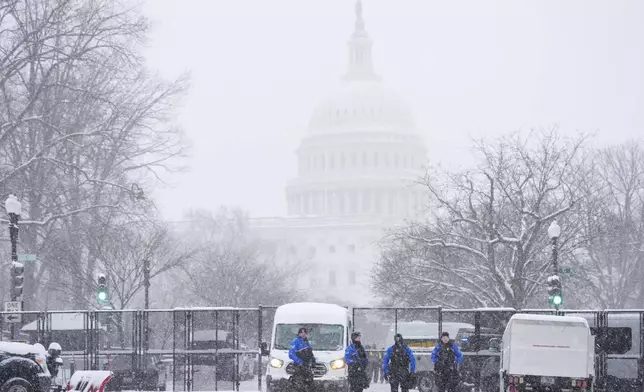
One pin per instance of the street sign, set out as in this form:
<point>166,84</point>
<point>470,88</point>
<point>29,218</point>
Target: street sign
<point>566,270</point>
<point>12,309</point>
<point>23,258</point>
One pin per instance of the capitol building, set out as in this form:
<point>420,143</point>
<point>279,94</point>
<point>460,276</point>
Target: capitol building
<point>358,164</point>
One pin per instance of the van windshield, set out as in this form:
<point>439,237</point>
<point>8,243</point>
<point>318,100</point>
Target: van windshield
<point>322,337</point>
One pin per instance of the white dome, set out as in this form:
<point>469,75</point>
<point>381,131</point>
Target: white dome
<point>362,106</point>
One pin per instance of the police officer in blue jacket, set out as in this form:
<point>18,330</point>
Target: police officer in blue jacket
<point>302,356</point>
<point>399,365</point>
<point>446,357</point>
<point>355,356</point>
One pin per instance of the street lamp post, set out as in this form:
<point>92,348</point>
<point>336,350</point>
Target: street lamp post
<point>14,209</point>
<point>554,231</point>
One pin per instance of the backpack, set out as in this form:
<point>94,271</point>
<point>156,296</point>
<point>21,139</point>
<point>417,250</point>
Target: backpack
<point>399,358</point>
<point>446,356</point>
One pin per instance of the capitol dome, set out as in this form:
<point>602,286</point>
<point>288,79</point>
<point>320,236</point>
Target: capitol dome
<point>362,105</point>
<point>361,155</point>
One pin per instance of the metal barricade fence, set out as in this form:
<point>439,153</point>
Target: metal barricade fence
<point>616,367</point>
<point>178,349</point>
<point>218,348</point>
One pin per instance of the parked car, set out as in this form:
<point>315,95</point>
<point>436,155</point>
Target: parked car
<point>151,376</point>
<point>487,361</point>
<point>23,368</point>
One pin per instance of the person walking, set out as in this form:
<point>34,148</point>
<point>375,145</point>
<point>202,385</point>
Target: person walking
<point>399,365</point>
<point>446,357</point>
<point>373,362</point>
<point>356,359</point>
<point>381,356</point>
<point>375,359</point>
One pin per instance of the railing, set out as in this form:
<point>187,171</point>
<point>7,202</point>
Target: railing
<point>218,348</point>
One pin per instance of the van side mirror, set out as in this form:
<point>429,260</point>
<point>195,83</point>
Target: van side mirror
<point>494,345</point>
<point>263,348</point>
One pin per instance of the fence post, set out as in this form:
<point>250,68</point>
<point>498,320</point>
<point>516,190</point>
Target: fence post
<point>137,345</point>
<point>395,321</point>
<point>174,350</point>
<point>87,340</point>
<point>640,362</point>
<point>237,347</point>
<point>353,320</point>
<point>477,346</point>
<point>600,365</point>
<point>146,330</point>
<point>95,340</point>
<point>188,369</point>
<point>216,351</point>
<point>260,339</point>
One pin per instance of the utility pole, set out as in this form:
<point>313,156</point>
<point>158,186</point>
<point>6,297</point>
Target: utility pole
<point>146,283</point>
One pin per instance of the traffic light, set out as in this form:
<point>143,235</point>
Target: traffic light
<point>102,294</point>
<point>554,291</point>
<point>17,278</point>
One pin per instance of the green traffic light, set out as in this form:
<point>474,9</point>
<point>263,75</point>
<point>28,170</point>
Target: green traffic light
<point>557,300</point>
<point>102,296</point>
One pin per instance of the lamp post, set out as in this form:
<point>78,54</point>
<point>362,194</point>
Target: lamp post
<point>14,209</point>
<point>554,282</point>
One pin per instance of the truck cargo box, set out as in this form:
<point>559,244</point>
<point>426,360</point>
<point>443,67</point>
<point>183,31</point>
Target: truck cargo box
<point>543,345</point>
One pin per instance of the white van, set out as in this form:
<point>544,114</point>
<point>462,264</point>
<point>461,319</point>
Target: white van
<point>329,328</point>
<point>541,352</point>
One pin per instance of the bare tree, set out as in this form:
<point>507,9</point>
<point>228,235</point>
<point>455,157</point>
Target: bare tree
<point>83,128</point>
<point>485,241</point>
<point>610,263</point>
<point>123,257</point>
<point>121,251</point>
<point>235,268</point>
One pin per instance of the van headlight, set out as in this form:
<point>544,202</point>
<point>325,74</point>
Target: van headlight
<point>276,363</point>
<point>337,364</point>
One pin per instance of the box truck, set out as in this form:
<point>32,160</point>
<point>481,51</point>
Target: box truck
<point>546,353</point>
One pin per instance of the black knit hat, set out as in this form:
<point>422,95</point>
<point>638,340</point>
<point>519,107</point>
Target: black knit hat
<point>398,338</point>
<point>355,335</point>
<point>445,334</point>
<point>299,331</point>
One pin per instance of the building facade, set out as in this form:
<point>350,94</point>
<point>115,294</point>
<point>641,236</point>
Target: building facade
<point>358,167</point>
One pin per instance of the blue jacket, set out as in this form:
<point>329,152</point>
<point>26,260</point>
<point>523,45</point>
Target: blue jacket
<point>301,346</point>
<point>351,357</point>
<point>390,351</point>
<point>457,352</point>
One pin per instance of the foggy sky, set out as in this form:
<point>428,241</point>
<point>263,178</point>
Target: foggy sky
<point>468,68</point>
